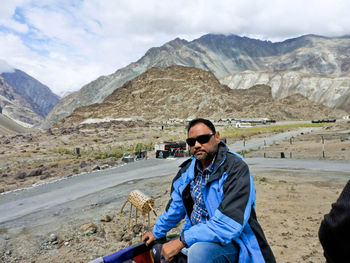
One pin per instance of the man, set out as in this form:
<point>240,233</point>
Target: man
<point>335,229</point>
<point>214,191</point>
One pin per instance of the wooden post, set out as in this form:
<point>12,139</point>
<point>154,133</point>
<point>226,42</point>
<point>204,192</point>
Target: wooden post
<point>129,223</point>
<point>264,148</point>
<point>243,146</point>
<point>77,151</point>
<point>323,154</point>
<point>290,147</point>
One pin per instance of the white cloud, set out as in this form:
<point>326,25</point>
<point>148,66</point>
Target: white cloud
<point>66,44</point>
<point>5,67</point>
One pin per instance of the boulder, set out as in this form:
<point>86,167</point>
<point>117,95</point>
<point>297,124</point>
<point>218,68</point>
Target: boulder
<point>88,228</point>
<point>106,218</point>
<point>44,176</point>
<point>36,172</point>
<point>20,175</point>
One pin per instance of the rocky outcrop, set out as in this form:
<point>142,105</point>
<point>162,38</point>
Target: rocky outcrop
<point>334,92</point>
<point>183,92</point>
<point>39,97</point>
<point>16,107</point>
<point>223,55</point>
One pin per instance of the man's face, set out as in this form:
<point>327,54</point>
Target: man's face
<point>205,151</point>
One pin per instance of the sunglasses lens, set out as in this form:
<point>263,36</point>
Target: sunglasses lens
<point>191,141</point>
<point>203,138</point>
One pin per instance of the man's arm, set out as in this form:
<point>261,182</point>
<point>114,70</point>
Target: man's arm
<point>174,212</point>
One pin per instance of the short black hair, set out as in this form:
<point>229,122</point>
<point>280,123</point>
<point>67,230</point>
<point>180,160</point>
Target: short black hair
<point>200,120</point>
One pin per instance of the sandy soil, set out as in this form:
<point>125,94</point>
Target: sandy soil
<point>290,206</point>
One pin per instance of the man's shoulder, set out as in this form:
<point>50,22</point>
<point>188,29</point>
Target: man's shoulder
<point>234,161</point>
<point>234,157</point>
<point>183,166</point>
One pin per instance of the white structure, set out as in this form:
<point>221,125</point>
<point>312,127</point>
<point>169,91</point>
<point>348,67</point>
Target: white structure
<point>243,125</point>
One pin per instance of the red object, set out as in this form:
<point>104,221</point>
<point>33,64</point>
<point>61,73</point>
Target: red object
<point>144,258</point>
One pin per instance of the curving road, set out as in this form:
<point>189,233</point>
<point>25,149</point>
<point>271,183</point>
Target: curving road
<point>67,198</point>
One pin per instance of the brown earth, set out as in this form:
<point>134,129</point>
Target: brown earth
<point>331,143</point>
<point>290,206</point>
<point>184,92</point>
<point>290,203</point>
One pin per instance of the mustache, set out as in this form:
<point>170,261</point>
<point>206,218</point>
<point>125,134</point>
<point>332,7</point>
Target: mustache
<point>200,150</point>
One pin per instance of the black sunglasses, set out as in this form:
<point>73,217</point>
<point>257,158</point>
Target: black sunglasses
<point>204,138</point>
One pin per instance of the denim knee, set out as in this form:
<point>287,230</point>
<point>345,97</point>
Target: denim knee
<point>209,252</point>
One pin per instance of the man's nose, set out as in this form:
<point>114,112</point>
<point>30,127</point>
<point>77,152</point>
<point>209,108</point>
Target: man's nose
<point>197,145</point>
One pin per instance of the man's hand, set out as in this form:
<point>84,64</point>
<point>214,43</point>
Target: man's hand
<point>171,249</point>
<point>148,237</point>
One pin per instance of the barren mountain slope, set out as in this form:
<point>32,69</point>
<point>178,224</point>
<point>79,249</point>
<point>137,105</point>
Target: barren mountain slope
<point>223,55</point>
<point>334,92</point>
<point>15,106</point>
<point>182,92</point>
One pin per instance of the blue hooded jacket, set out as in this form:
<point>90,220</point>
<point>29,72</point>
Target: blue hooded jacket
<point>229,197</point>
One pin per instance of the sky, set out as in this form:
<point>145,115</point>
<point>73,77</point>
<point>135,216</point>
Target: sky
<point>66,44</point>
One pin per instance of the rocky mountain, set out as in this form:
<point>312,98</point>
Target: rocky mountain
<point>223,55</point>
<point>334,92</point>
<point>40,98</point>
<point>16,107</point>
<point>24,99</point>
<point>184,92</point>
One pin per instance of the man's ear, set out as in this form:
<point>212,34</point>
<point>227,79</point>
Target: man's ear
<point>217,136</point>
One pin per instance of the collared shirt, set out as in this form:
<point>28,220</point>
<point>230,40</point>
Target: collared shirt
<point>199,213</point>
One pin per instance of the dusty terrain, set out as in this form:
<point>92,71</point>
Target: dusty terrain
<point>331,143</point>
<point>290,203</point>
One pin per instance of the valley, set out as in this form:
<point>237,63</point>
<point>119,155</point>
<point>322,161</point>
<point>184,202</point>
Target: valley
<point>84,200</point>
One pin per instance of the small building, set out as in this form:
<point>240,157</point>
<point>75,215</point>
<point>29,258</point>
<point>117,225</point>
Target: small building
<point>174,149</point>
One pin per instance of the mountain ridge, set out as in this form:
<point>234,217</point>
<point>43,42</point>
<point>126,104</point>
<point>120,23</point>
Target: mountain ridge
<point>222,55</point>
<point>162,93</point>
<point>25,99</point>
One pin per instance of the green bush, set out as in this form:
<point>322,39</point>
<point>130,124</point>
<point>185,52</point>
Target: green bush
<point>65,151</point>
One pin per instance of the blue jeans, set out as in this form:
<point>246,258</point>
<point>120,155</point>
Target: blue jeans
<point>208,252</point>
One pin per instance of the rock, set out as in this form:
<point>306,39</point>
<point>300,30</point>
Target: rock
<point>83,164</point>
<point>7,141</point>
<point>111,163</point>
<point>35,172</point>
<point>88,228</point>
<point>96,168</point>
<point>119,236</point>
<point>105,166</point>
<point>44,176</point>
<point>2,190</point>
<point>106,218</point>
<point>135,240</point>
<point>137,228</point>
<point>20,175</point>
<point>128,237</point>
<point>4,175</point>
<point>52,237</point>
